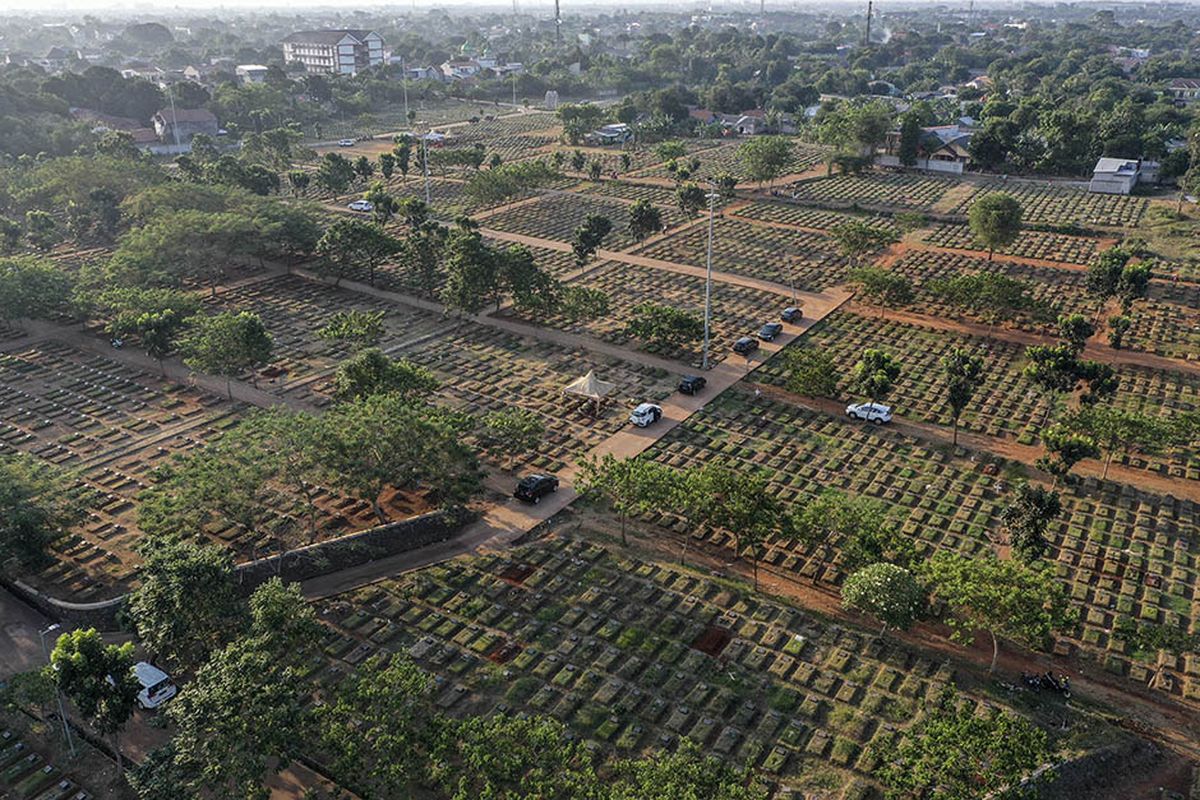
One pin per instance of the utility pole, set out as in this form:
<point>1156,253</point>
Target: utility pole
<point>404,80</point>
<point>867,43</point>
<point>712,203</point>
<point>425,163</point>
<point>62,714</point>
<point>514,91</point>
<point>557,24</point>
<point>174,129</point>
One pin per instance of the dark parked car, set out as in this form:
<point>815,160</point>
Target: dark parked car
<point>745,345</point>
<point>533,488</point>
<point>791,314</point>
<point>769,331</point>
<point>690,384</point>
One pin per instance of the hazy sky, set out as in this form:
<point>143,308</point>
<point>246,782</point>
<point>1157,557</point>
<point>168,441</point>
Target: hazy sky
<point>148,7</point>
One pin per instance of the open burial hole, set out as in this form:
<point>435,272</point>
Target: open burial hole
<point>504,653</point>
<point>517,573</point>
<point>712,640</point>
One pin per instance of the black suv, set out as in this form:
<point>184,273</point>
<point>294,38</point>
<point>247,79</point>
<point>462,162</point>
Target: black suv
<point>769,331</point>
<point>745,346</point>
<point>533,488</point>
<point>690,384</point>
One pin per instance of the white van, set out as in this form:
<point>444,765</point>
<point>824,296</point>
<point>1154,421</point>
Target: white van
<point>156,685</point>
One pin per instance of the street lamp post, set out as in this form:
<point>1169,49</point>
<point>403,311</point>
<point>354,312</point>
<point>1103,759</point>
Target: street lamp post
<point>712,202</point>
<point>62,714</point>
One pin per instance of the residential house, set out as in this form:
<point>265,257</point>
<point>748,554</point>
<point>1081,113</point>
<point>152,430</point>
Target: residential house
<point>1115,175</point>
<point>180,125</point>
<point>617,133</point>
<point>459,69</point>
<point>1184,90</point>
<point>250,73</point>
<point>942,148</point>
<point>334,52</point>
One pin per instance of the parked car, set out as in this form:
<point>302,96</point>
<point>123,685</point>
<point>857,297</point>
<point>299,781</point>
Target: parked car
<point>690,384</point>
<point>791,314</point>
<point>157,687</point>
<point>769,331</point>
<point>345,143</point>
<point>646,414</point>
<point>745,345</point>
<point>532,488</point>
<point>362,205</point>
<point>872,412</point>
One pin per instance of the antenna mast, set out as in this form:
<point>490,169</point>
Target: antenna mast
<point>870,4</point>
<point>557,24</point>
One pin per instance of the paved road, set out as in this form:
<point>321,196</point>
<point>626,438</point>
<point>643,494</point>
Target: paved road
<point>20,646</point>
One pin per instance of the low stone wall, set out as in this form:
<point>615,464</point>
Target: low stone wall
<point>300,564</point>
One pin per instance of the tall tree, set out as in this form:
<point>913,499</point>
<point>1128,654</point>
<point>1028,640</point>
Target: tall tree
<point>875,374</point>
<point>32,288</point>
<point>910,139</point>
<point>187,604</point>
<point>37,506</point>
<point>688,773</point>
<point>359,328</point>
<point>1026,517</point>
<point>1004,598</point>
<point>588,238</point>
<point>811,372</point>
<point>644,220</point>
<point>1118,430</point>
<point>882,286</point>
<point>664,326</point>
<point>995,221</point>
<point>1064,449</point>
<point>370,371</point>
<point>99,680</point>
<point>227,344</point>
<point>628,485</point>
<point>764,158</point>
<point>963,371</point>
<point>511,432</point>
<point>887,592</point>
<point>349,243</point>
<point>856,238</point>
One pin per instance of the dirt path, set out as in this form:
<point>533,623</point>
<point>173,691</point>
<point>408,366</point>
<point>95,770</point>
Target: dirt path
<point>1004,448</point>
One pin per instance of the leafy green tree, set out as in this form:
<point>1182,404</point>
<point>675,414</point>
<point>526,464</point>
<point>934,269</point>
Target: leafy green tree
<point>1064,449</point>
<point>37,506</point>
<point>1104,273</point>
<point>579,119</point>
<point>363,168</point>
<point>669,150</point>
<point>1075,330</point>
<point>383,205</point>
<point>995,221</point>
<point>1118,430</point>
<point>588,238</point>
<point>811,372</point>
<point>1004,598</point>
<point>861,526</point>
<point>10,234</point>
<point>738,503</point>
<point>414,211</point>
<point>875,374</point>
<point>1026,517</point>
<point>1118,329</point>
<point>495,186</point>
<point>349,243</point>
<point>41,229</point>
<point>664,326</point>
<point>577,303</point>
<point>403,153</point>
<point>955,753</point>
<point>187,604</point>
<point>882,287</point>
<point>376,726</point>
<point>387,165</point>
<point>688,773</point>
<point>227,344</point>
<point>179,246</point>
<point>334,173</point>
<point>856,239</point>
<point>386,441</point>
<point>99,680</point>
<point>370,371</point>
<point>887,592</point>
<point>644,220</point>
<point>963,371</point>
<point>910,139</point>
<point>1161,640</point>
<point>471,271</point>
<point>691,199</point>
<point>764,158</point>
<point>32,288</point>
<point>299,180</point>
<point>992,296</point>
<point>1054,369</point>
<point>628,485</point>
<point>359,328</point>
<point>511,432</point>
<point>532,289</point>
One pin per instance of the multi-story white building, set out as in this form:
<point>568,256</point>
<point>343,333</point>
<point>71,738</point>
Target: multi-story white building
<point>340,52</point>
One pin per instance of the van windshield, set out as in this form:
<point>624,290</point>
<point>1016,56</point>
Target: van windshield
<point>158,687</point>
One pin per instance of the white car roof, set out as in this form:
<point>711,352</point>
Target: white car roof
<point>644,407</point>
<point>149,675</point>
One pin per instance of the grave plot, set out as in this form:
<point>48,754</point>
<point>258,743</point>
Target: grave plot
<point>294,309</point>
<point>557,215</point>
<point>813,218</point>
<point>429,112</point>
<point>484,370</point>
<point>1063,205</point>
<point>1030,244</point>
<point>737,311</point>
<point>1124,551</point>
<point>1167,323</point>
<point>807,261</point>
<point>544,127</point>
<point>659,196</point>
<point>1006,405</point>
<point>108,422</point>
<point>1053,290</point>
<point>632,655</point>
<point>876,190</point>
<point>723,158</point>
<point>609,158</point>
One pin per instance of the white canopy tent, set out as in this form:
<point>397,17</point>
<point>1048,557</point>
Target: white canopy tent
<point>591,387</point>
